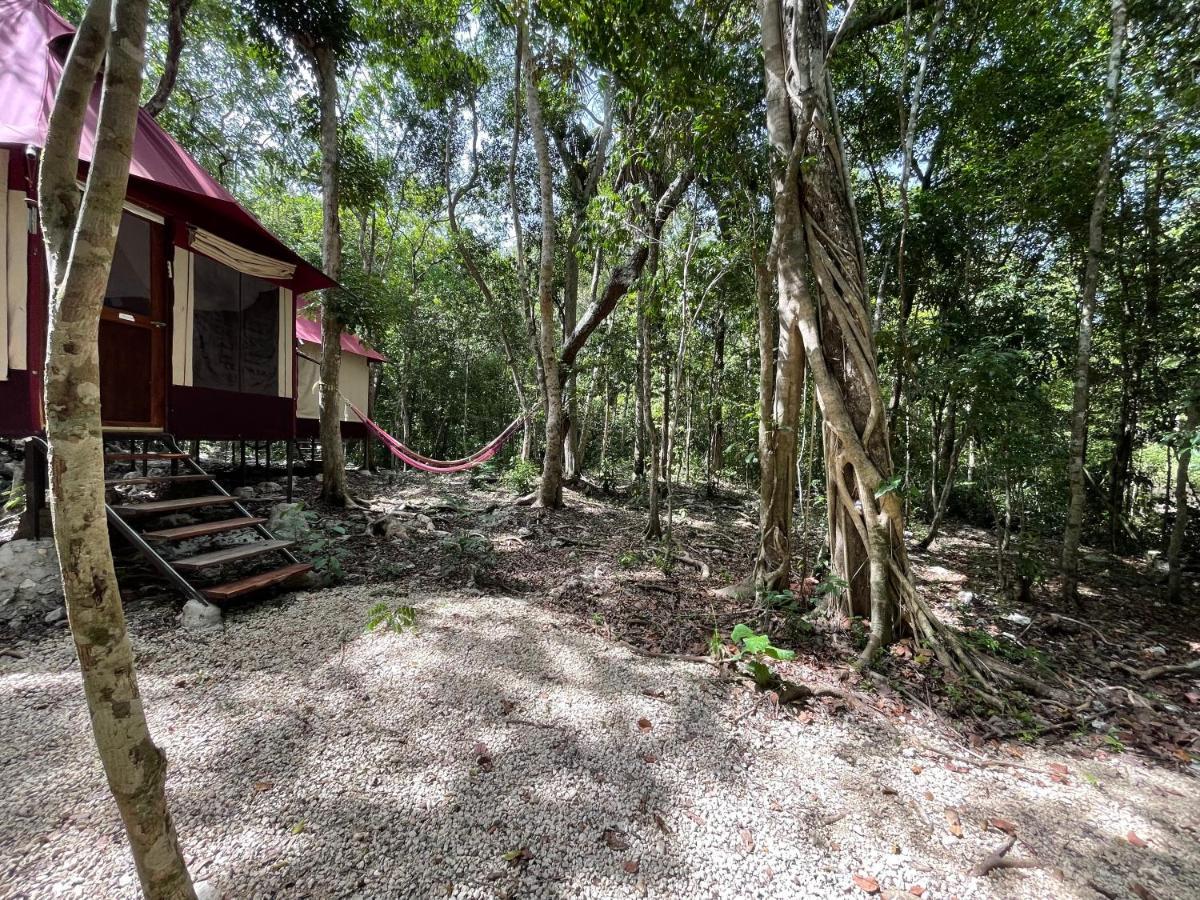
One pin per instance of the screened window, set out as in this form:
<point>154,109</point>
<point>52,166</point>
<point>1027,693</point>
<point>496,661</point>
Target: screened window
<point>235,344</point>
<point>129,279</point>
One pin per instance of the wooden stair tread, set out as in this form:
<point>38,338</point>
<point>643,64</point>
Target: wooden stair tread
<point>156,479</point>
<point>229,554</point>
<point>154,507</point>
<point>183,532</point>
<point>256,582</point>
<point>130,457</point>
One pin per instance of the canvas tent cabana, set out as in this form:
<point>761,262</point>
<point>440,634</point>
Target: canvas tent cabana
<point>197,335</point>
<point>354,381</point>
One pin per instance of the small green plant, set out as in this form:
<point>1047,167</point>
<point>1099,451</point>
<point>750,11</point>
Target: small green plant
<point>1114,743</point>
<point>391,618</point>
<point>754,649</point>
<point>629,560</point>
<point>470,554</point>
<point>16,497</point>
<point>521,476</point>
<point>830,586</point>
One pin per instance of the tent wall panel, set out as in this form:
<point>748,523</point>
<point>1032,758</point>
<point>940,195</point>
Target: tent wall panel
<point>18,418</point>
<point>287,331</point>
<point>181,318</point>
<point>196,412</point>
<point>308,373</point>
<point>16,279</point>
<point>354,382</point>
<point>4,282</point>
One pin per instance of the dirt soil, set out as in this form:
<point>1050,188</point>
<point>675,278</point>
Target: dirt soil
<point>570,622</point>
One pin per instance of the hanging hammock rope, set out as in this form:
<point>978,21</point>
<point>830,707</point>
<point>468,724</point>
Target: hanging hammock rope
<point>438,466</point>
<point>425,463</point>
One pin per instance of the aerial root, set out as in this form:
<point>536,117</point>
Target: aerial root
<point>999,859</point>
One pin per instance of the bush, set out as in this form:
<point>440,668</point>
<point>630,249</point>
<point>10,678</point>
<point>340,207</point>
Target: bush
<point>521,476</point>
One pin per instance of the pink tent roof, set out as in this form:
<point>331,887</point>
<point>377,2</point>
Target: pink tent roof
<point>30,69</point>
<point>310,330</point>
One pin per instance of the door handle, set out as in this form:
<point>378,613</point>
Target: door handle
<point>159,324</point>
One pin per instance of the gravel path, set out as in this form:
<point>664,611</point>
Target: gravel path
<point>311,759</point>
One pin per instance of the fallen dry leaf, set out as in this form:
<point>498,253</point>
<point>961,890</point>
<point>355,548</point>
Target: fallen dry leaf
<point>916,890</point>
<point>483,758</point>
<point>695,817</point>
<point>614,839</point>
<point>644,724</point>
<point>261,786</point>
<point>1135,840</point>
<point>866,883</point>
<point>917,770</point>
<point>1003,825</point>
<point>649,757</point>
<point>631,866</point>
<point>747,839</point>
<point>661,823</point>
<point>954,822</point>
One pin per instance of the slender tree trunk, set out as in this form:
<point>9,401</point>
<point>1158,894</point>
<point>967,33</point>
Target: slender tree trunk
<point>550,489</point>
<point>942,499</point>
<point>1191,421</point>
<point>177,12</point>
<point>649,430</point>
<point>716,415</point>
<point>570,314</point>
<point>80,239</point>
<point>333,453</point>
<point>1087,304</point>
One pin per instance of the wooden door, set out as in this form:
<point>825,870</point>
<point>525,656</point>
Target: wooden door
<point>133,330</point>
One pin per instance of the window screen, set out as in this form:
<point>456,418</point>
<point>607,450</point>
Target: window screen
<point>129,279</point>
<point>235,344</point>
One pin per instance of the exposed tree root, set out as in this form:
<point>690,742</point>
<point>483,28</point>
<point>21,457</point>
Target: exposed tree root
<point>998,859</point>
<point>1159,671</point>
<point>695,563</point>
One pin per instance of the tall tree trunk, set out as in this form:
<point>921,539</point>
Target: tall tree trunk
<point>1087,304</point>
<point>716,409</point>
<point>550,489</point>
<point>333,454</point>
<point>817,242</point>
<point>649,430</point>
<point>570,313</point>
<point>1191,421</point>
<point>80,239</point>
<point>177,12</point>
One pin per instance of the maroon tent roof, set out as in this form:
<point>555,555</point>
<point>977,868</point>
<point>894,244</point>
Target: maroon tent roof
<point>310,330</point>
<point>30,68</point>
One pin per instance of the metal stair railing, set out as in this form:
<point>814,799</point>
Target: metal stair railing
<point>130,534</point>
<point>262,530</point>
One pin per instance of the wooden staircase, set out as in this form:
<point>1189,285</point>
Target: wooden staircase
<point>192,556</point>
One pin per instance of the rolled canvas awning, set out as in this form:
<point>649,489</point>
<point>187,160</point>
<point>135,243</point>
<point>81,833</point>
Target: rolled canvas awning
<point>245,261</point>
<point>162,175</point>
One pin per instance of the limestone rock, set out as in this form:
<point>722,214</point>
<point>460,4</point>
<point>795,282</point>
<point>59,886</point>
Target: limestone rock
<point>199,616</point>
<point>30,581</point>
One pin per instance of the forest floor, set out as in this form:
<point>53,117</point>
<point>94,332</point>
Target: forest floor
<point>530,735</point>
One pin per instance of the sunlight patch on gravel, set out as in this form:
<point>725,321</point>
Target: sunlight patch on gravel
<point>312,759</point>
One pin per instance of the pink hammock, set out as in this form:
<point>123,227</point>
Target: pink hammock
<point>439,467</point>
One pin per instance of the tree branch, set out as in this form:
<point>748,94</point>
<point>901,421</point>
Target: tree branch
<point>623,276</point>
<point>178,12</point>
<point>864,22</point>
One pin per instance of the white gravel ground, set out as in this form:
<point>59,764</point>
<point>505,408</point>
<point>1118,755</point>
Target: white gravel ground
<point>311,759</point>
